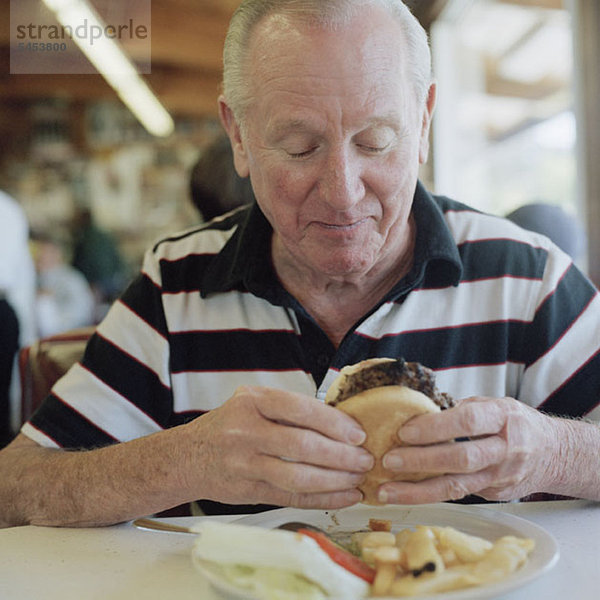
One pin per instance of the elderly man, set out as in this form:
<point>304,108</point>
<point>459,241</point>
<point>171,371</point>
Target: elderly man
<point>205,380</point>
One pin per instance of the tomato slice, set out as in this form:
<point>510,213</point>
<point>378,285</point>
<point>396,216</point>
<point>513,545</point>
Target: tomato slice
<point>342,557</point>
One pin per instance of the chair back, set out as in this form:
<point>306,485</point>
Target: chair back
<point>44,362</point>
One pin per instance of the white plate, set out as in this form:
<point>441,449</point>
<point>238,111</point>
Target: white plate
<point>483,522</point>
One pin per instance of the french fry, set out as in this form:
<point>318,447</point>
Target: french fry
<point>454,578</point>
<point>448,556</point>
<point>421,553</point>
<point>430,560</point>
<point>506,556</point>
<point>373,540</point>
<point>387,559</point>
<point>468,548</point>
<point>401,538</point>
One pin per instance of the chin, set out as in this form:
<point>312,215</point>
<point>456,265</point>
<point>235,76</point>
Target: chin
<point>340,263</point>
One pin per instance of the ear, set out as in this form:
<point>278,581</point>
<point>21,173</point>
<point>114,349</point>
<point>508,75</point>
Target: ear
<point>426,123</point>
<point>240,157</point>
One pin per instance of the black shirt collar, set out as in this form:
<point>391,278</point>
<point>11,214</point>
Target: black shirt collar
<point>244,262</point>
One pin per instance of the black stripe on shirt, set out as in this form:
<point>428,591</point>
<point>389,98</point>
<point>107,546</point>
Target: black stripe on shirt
<point>446,347</point>
<point>587,383</point>
<point>184,274</point>
<point>236,350</point>
<point>570,298</point>
<point>143,297</point>
<point>489,259</point>
<point>71,428</point>
<point>129,378</point>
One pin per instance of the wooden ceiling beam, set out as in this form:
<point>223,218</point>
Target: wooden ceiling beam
<point>188,37</point>
<point>181,95</point>
<point>184,92</point>
<point>496,85</point>
<point>527,91</point>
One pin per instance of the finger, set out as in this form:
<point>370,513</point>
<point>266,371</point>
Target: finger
<point>472,417</point>
<point>436,489</point>
<point>267,493</point>
<point>306,446</point>
<point>303,411</point>
<point>459,457</point>
<point>302,478</point>
<point>326,501</point>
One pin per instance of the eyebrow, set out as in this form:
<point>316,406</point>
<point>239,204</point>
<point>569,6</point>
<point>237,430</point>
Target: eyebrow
<point>285,127</point>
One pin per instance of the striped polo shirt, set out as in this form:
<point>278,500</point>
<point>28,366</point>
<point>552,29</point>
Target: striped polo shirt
<point>492,309</point>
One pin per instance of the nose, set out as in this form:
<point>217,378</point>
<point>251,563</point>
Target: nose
<point>341,184</point>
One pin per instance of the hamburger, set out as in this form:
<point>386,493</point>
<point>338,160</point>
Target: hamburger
<point>382,394</point>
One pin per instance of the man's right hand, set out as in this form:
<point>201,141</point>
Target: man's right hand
<point>269,446</point>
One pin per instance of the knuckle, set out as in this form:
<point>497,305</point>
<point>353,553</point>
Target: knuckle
<point>474,456</point>
<point>467,457</point>
<point>283,475</point>
<point>301,444</point>
<point>468,416</point>
<point>350,459</point>
<point>455,488</point>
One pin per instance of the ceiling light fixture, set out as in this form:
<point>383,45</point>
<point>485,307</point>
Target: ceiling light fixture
<point>113,64</point>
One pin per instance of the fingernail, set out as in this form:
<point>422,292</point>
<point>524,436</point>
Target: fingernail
<point>366,461</point>
<point>382,496</point>
<point>408,433</point>
<point>394,463</point>
<point>357,436</point>
<point>359,496</point>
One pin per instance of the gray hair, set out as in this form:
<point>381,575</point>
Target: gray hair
<point>325,13</point>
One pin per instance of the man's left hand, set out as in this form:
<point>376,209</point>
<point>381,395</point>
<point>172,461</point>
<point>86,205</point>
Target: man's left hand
<point>510,452</point>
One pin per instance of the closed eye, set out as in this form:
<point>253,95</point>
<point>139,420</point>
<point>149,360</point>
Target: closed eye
<point>374,149</point>
<point>303,154</point>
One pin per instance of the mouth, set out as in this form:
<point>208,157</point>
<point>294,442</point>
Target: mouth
<point>341,227</point>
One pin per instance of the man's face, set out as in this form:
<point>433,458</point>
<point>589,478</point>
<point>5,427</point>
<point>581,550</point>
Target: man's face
<point>332,142</point>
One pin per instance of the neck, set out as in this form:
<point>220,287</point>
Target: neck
<point>338,302</point>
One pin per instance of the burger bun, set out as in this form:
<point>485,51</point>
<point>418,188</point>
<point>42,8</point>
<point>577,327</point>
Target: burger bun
<point>381,412</point>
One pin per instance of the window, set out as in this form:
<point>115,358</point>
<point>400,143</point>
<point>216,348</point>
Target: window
<point>504,131</point>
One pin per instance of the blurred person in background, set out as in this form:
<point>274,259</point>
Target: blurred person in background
<point>553,222</point>
<point>215,186</point>
<point>96,255</point>
<point>17,296</point>
<point>64,297</point>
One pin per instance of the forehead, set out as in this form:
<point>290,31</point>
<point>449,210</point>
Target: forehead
<point>359,66</point>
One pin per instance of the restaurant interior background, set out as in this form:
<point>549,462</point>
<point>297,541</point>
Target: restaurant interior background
<point>517,119</point>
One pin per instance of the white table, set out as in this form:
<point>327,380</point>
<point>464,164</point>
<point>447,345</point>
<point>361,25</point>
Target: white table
<point>124,563</point>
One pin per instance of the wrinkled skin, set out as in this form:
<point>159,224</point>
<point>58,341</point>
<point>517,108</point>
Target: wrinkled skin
<point>509,454</point>
<point>268,446</point>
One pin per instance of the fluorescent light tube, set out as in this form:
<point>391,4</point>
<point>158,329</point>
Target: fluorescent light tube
<point>112,63</point>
